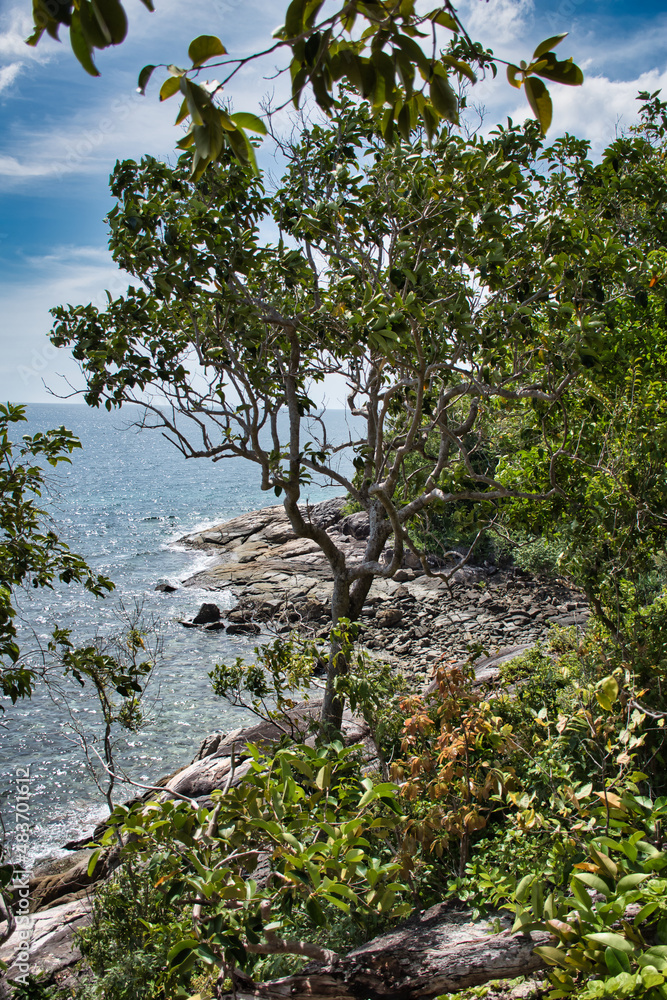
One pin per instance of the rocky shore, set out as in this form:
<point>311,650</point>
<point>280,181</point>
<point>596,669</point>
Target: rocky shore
<point>282,583</point>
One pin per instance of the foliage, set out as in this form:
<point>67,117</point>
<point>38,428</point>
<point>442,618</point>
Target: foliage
<point>267,686</point>
<point>323,830</point>
<point>609,517</point>
<point>445,290</point>
<point>405,82</point>
<point>133,927</point>
<point>31,554</point>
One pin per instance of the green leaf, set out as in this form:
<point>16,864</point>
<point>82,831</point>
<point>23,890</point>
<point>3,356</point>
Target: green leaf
<point>290,839</point>
<point>170,87</point>
<point>112,19</point>
<point>340,903</point>
<point>205,47</point>
<point>514,76</point>
<point>144,78</point>
<point>593,882</point>
<point>93,862</point>
<point>548,43</point>
<point>185,944</point>
<point>610,940</point>
<point>540,102</point>
<point>245,120</point>
<point>315,911</point>
<point>612,958</point>
<point>444,19</point>
<point>80,46</point>
<point>552,956</point>
<point>443,99</point>
<point>630,881</point>
<point>294,18</point>
<point>609,687</point>
<point>565,72</point>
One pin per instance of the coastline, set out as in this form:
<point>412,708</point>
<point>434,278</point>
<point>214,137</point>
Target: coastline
<point>280,583</point>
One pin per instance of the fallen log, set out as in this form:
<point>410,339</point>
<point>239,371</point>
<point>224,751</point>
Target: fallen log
<point>439,952</point>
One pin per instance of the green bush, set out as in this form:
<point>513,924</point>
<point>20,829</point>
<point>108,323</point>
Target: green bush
<point>133,926</point>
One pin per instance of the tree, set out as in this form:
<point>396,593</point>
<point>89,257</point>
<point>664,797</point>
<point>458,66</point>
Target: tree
<point>376,48</point>
<point>609,518</point>
<point>442,285</point>
<point>31,554</point>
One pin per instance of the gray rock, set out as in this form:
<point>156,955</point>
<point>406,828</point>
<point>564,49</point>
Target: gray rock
<point>207,613</point>
<point>51,940</point>
<point>244,628</point>
<point>166,588</point>
<point>388,617</point>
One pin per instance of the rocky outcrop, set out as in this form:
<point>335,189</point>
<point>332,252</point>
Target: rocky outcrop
<point>283,583</point>
<point>63,879</point>
<point>218,754</point>
<point>50,939</point>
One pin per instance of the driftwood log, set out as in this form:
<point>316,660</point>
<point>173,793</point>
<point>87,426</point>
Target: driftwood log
<point>440,952</point>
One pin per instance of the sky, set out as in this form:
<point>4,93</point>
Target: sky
<point>62,132</point>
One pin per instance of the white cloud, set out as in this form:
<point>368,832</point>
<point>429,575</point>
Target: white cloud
<point>8,74</point>
<point>90,143</point>
<point>597,110</point>
<point>497,23</point>
<point>67,274</point>
<point>15,26</point>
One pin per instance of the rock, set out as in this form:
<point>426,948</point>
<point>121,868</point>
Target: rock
<point>51,940</point>
<point>215,627</point>
<point>207,613</point>
<point>241,615</point>
<point>356,525</point>
<point>209,745</point>
<point>203,776</point>
<point>314,610</point>
<point>244,628</point>
<point>166,588</point>
<point>388,617</point>
<point>62,879</point>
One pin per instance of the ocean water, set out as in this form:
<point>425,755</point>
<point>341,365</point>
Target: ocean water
<point>123,503</point>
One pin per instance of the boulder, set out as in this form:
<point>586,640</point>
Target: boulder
<point>388,617</point>
<point>62,879</point>
<point>240,615</point>
<point>356,525</point>
<point>166,588</point>
<point>244,628</point>
<point>51,941</point>
<point>207,613</point>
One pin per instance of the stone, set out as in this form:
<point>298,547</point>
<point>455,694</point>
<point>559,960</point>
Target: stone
<point>209,745</point>
<point>388,617</point>
<point>215,627</point>
<point>51,941</point>
<point>166,588</point>
<point>356,525</point>
<point>207,613</point>
<point>62,879</point>
<point>241,615</point>
<point>244,628</point>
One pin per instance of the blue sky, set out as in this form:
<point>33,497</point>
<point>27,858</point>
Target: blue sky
<point>63,131</point>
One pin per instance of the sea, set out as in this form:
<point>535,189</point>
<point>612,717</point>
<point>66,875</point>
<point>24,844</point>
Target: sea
<point>123,503</point>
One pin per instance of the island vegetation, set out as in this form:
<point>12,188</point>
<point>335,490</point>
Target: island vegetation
<point>497,309</point>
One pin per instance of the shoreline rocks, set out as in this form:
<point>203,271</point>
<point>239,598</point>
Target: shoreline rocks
<point>415,620</point>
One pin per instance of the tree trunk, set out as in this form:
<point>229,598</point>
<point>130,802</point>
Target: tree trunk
<point>437,953</point>
<point>333,704</point>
